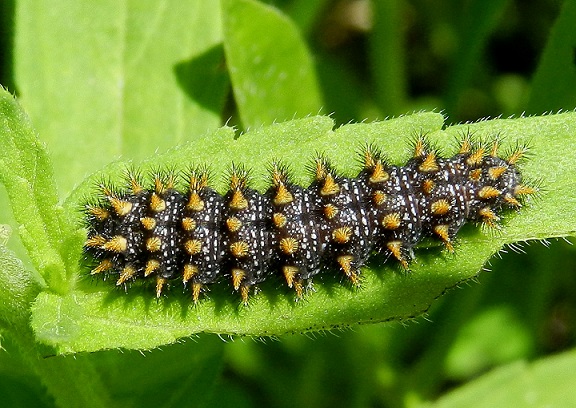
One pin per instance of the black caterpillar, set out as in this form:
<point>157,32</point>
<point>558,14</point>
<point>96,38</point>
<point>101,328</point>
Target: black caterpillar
<point>246,237</point>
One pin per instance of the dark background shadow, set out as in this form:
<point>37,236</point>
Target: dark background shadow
<point>204,78</point>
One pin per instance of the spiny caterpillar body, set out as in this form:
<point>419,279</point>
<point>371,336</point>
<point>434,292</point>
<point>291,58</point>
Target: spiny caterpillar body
<point>200,237</point>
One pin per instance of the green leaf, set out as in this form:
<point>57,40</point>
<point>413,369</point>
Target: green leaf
<point>554,84</point>
<point>95,316</point>
<point>271,69</point>
<point>548,382</point>
<point>172,377</point>
<point>17,288</point>
<point>26,172</point>
<point>495,336</point>
<point>124,78</point>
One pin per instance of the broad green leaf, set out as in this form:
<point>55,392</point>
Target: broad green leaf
<point>26,172</point>
<point>548,382</point>
<point>118,77</point>
<point>271,69</point>
<point>554,84</point>
<point>96,316</point>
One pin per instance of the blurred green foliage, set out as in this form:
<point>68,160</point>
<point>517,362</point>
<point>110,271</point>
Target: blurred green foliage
<point>78,67</point>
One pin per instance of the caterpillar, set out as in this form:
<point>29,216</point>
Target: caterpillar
<point>200,237</point>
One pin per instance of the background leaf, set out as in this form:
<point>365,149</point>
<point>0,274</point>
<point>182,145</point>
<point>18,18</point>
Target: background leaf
<point>554,84</point>
<point>274,78</point>
<point>546,382</point>
<point>119,78</point>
